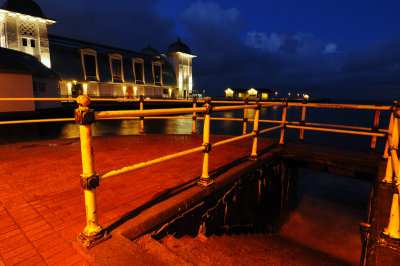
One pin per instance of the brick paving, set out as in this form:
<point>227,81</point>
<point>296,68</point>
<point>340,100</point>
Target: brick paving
<point>42,204</point>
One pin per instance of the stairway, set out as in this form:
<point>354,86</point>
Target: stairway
<point>243,249</point>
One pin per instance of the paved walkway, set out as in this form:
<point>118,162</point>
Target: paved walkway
<point>41,201</point>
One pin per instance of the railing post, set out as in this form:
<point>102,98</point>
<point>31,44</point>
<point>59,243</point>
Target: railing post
<point>284,111</point>
<point>194,117</point>
<point>205,179</point>
<point>375,128</point>
<point>386,154</point>
<point>84,117</point>
<point>246,102</point>
<point>392,231</point>
<point>141,104</point>
<point>303,120</point>
<point>254,156</point>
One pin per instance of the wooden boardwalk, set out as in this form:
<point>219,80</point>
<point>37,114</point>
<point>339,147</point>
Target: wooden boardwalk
<point>41,202</point>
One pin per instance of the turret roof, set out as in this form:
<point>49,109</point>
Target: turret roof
<point>27,7</point>
<point>178,46</point>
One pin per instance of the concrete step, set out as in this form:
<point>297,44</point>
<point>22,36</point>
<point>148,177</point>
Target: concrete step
<point>245,249</point>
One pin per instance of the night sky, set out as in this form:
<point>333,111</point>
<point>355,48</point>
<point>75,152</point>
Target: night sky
<point>336,49</point>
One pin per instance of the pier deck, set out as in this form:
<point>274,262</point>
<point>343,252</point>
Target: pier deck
<point>41,201</point>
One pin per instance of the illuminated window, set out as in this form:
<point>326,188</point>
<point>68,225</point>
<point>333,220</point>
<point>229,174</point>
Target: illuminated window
<point>157,73</point>
<point>89,64</point>
<point>138,69</point>
<point>116,68</point>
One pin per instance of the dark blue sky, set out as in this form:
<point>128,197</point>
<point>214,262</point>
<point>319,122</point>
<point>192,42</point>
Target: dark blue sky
<point>336,49</point>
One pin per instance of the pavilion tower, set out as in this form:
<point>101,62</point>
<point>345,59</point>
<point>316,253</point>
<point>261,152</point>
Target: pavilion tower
<point>23,27</point>
<point>180,57</point>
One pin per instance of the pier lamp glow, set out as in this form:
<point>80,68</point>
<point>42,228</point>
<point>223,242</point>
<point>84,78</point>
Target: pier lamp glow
<point>69,85</point>
<point>170,92</point>
<point>228,92</point>
<point>306,96</point>
<point>124,90</point>
<point>135,91</point>
<point>252,92</point>
<point>84,89</point>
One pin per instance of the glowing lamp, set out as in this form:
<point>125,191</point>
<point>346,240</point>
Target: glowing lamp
<point>85,89</point>
<point>69,86</point>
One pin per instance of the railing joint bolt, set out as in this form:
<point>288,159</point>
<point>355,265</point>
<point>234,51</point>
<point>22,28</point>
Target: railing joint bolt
<point>194,118</point>
<point>207,147</point>
<point>257,133</point>
<point>302,123</point>
<point>90,182</point>
<point>245,120</point>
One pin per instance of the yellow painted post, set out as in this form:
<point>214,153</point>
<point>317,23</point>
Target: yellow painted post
<point>303,121</point>
<point>254,156</point>
<point>283,124</point>
<point>392,231</point>
<point>246,102</point>
<point>84,117</point>
<point>194,116</point>
<point>205,179</point>
<point>141,104</point>
<point>390,129</point>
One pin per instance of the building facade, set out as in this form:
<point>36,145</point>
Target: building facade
<point>94,69</point>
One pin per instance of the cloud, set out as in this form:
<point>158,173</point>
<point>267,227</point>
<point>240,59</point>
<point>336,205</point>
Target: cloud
<point>232,55</point>
<point>330,48</point>
<point>126,24</point>
<point>260,40</point>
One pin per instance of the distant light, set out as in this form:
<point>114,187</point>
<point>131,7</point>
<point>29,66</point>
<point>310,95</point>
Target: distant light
<point>289,93</point>
<point>69,85</point>
<point>298,94</point>
<point>306,96</point>
<point>276,93</point>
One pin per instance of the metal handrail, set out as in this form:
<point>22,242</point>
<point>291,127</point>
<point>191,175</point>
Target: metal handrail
<point>85,116</point>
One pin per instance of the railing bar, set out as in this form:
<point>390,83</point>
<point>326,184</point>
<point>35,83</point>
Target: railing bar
<point>148,163</point>
<point>338,126</point>
<point>270,129</point>
<point>342,106</point>
<point>316,105</point>
<point>36,121</point>
<point>37,99</point>
<point>149,112</point>
<point>219,143</point>
<point>234,107</point>
<point>338,131</point>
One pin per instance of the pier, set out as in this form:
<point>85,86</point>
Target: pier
<point>178,184</point>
